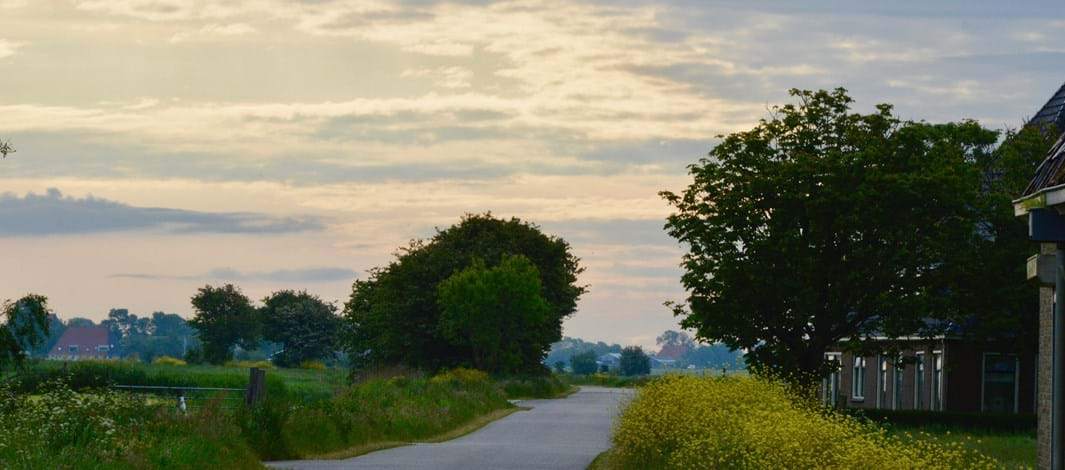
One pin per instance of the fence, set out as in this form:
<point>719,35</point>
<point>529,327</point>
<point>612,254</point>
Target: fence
<point>198,397</point>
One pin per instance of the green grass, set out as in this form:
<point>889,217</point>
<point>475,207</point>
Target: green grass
<point>309,385</point>
<point>306,413</point>
<point>1012,450</point>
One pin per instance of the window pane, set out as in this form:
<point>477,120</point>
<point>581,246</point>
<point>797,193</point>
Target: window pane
<point>1000,382</point>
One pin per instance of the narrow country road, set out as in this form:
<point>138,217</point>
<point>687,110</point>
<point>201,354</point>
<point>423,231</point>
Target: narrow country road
<point>555,434</point>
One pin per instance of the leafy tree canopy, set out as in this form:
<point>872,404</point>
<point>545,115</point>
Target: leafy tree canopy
<point>634,361</point>
<point>394,316</point>
<point>584,363</point>
<point>25,325</point>
<point>498,314</point>
<point>224,318</point>
<point>304,325</point>
<point>821,224</point>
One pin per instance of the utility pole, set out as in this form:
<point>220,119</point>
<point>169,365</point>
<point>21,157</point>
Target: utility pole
<point>1045,225</point>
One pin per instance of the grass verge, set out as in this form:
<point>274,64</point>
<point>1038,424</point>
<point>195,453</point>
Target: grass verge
<point>477,423</point>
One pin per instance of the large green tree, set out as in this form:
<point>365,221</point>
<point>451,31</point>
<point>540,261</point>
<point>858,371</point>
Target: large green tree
<point>25,326</point>
<point>497,313</point>
<point>224,318</point>
<point>394,315</point>
<point>821,224</point>
<point>304,325</point>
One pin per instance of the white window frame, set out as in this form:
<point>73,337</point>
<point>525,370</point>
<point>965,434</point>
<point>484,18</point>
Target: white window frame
<point>858,389</point>
<point>1016,379</point>
<point>882,377</point>
<point>918,381</point>
<point>937,396</point>
<point>830,387</point>
<point>898,379</point>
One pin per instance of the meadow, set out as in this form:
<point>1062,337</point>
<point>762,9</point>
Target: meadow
<point>69,418</point>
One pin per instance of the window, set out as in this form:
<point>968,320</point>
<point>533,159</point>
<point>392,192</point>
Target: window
<point>830,385</point>
<point>918,382</point>
<point>102,348</point>
<point>937,380</point>
<point>858,379</point>
<point>72,349</point>
<point>1000,383</point>
<point>896,388</point>
<point>882,383</point>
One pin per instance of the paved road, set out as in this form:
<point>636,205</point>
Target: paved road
<point>555,434</point>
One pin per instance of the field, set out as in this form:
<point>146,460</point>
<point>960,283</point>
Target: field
<point>68,419</point>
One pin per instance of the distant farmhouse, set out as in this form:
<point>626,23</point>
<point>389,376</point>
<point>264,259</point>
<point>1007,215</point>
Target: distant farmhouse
<point>82,342</point>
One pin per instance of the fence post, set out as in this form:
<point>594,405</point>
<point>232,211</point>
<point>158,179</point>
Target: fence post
<point>256,386</point>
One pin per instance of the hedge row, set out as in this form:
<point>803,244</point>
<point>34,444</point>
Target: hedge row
<point>998,422</point>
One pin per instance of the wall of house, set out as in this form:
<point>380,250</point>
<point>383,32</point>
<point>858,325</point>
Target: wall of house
<point>964,371</point>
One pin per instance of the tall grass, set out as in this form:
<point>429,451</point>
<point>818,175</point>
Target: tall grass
<point>63,429</point>
<point>754,423</point>
<point>398,409</point>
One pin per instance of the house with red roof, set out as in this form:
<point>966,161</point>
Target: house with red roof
<point>82,342</point>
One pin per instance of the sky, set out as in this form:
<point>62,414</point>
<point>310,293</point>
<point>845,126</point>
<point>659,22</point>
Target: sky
<point>167,144</point>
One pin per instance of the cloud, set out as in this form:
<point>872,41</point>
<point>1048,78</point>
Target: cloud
<point>8,48</point>
<point>312,275</point>
<point>54,214</point>
<point>232,29</point>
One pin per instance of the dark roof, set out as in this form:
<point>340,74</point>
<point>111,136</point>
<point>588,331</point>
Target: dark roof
<point>1053,112</point>
<point>1052,171</point>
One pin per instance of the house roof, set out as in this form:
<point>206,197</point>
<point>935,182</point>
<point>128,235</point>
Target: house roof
<point>1052,171</point>
<point>85,337</point>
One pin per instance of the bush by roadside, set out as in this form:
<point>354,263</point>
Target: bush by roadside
<point>748,422</point>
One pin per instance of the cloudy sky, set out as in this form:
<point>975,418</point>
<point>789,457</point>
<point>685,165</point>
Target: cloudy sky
<point>165,144</point>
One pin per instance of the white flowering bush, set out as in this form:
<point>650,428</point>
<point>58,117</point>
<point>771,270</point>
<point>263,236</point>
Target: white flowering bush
<point>38,428</point>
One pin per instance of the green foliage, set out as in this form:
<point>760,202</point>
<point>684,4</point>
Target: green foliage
<point>25,326</point>
<point>634,361</point>
<point>821,224</point>
<point>584,363</point>
<point>535,386</point>
<point>497,314</point>
<point>398,409</point>
<point>60,428</point>
<point>988,422</point>
<point>224,318</point>
<point>607,380</point>
<point>560,367</point>
<point>303,324</point>
<point>394,316</point>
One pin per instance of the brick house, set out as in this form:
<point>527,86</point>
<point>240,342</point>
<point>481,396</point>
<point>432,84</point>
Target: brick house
<point>82,342</point>
<point>943,373</point>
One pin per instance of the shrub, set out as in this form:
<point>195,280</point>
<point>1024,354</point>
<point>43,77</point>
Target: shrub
<point>461,375</point>
<point>583,363</point>
<point>634,361</point>
<point>752,423</point>
<point>250,364</point>
<point>997,422</point>
<point>102,429</point>
<point>313,365</point>
<point>535,387</point>
<point>169,361</point>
